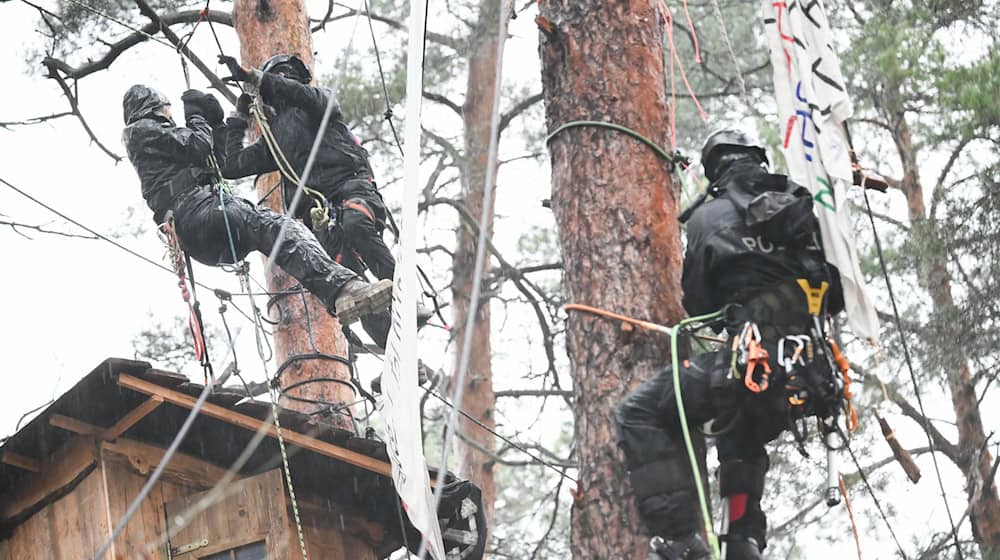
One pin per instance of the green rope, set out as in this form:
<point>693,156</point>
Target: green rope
<point>673,159</point>
<point>319,214</point>
<point>713,540</point>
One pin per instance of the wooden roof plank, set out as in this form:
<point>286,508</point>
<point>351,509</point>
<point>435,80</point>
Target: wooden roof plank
<point>133,417</point>
<point>249,423</point>
<point>21,461</point>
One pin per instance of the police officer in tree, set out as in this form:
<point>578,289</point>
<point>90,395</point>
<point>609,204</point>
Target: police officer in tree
<point>746,250</point>
<point>341,172</point>
<point>173,167</point>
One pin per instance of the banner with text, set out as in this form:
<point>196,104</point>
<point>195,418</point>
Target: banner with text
<point>812,107</point>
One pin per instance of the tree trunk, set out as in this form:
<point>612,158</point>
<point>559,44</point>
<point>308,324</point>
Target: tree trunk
<point>476,448</point>
<point>974,458</point>
<point>616,208</point>
<point>266,28</point>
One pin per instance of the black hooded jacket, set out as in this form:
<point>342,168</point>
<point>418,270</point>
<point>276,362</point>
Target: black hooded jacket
<point>170,160</point>
<point>759,232</point>
<point>299,111</point>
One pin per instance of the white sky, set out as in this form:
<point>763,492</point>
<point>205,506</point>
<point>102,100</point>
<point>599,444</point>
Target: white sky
<point>72,303</point>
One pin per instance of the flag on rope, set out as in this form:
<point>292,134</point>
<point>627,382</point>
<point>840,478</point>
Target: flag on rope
<point>812,107</point>
<point>400,407</point>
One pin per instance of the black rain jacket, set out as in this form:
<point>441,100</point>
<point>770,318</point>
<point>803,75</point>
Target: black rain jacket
<point>299,110</point>
<point>759,232</point>
<point>169,160</point>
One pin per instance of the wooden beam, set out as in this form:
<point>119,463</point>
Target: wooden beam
<point>120,427</point>
<point>58,471</point>
<point>250,423</point>
<point>74,425</point>
<point>133,417</point>
<point>20,461</point>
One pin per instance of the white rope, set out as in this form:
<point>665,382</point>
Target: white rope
<point>732,52</point>
<point>477,278</point>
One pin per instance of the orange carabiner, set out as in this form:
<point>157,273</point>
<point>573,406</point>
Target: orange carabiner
<point>757,355</point>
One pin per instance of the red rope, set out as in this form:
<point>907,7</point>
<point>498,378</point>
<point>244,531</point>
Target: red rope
<point>675,59</point>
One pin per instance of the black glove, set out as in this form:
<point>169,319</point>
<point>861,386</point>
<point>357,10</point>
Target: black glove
<point>237,73</point>
<point>204,104</point>
<point>243,104</point>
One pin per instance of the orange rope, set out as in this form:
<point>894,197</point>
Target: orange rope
<point>617,316</point>
<point>850,513</point>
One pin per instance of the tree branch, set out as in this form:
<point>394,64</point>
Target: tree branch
<point>116,49</point>
<point>164,28</point>
<point>40,229</point>
<point>433,37</point>
<point>438,98</point>
<point>517,109</point>
<point>35,120</point>
<point>74,106</point>
<point>533,393</point>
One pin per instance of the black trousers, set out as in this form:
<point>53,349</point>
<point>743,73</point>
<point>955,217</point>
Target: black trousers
<point>355,241</point>
<point>649,434</point>
<point>201,227</point>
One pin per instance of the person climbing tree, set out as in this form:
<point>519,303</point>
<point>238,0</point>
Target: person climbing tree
<point>749,250</point>
<point>341,174</point>
<point>177,183</point>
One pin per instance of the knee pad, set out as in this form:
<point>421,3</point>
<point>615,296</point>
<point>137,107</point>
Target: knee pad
<point>742,481</point>
<point>664,492</point>
<point>743,476</point>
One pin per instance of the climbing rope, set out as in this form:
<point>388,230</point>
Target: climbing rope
<point>913,376</point>
<point>241,268</point>
<point>689,324</point>
<point>673,159</point>
<point>713,539</point>
<point>850,514</point>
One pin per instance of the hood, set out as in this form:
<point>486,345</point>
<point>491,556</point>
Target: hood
<point>141,101</point>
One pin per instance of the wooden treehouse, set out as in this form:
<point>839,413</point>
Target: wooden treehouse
<point>68,477</point>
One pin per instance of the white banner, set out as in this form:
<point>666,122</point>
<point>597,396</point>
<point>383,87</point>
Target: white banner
<point>812,107</point>
<point>400,403</point>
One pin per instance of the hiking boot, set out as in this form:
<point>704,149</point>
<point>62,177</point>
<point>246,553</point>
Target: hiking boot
<point>357,298</point>
<point>688,547</point>
<point>739,547</point>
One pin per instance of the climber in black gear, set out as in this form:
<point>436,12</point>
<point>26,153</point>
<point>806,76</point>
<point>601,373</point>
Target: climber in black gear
<point>745,249</point>
<point>341,171</point>
<point>173,167</point>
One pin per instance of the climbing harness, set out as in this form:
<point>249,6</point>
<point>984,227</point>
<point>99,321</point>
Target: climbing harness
<point>796,354</point>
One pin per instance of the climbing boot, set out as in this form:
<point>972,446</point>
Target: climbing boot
<point>739,547</point>
<point>357,298</point>
<point>688,547</point>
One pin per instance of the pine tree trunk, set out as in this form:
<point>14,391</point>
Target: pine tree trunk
<point>478,400</point>
<point>266,28</point>
<point>974,457</point>
<point>616,208</point>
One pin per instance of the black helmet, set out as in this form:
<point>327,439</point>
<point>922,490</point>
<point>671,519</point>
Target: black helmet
<point>141,101</point>
<point>727,140</point>
<point>299,70</point>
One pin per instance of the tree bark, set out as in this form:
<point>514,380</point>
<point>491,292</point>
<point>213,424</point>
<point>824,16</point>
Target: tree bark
<point>616,208</point>
<point>974,457</point>
<point>476,458</point>
<point>266,28</point>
